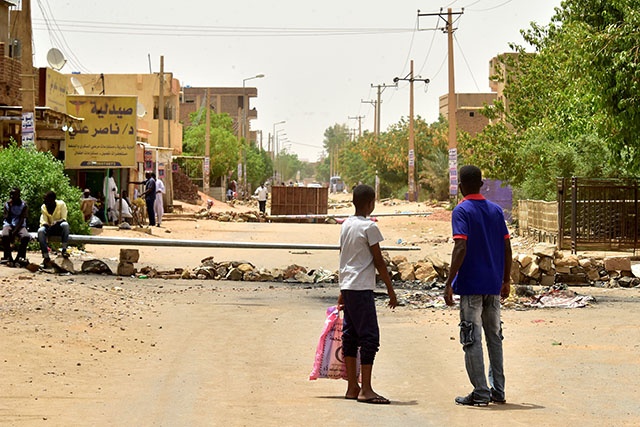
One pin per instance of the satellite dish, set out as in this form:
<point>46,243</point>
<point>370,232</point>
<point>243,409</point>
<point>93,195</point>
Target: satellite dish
<point>141,111</point>
<point>55,58</point>
<point>77,85</point>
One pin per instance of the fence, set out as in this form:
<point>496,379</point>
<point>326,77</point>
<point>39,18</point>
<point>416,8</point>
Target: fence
<point>598,213</point>
<point>590,214</point>
<point>539,219</point>
<point>299,200</point>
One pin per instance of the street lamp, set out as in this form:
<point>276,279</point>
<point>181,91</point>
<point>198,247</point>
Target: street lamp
<point>245,132</point>
<point>275,148</point>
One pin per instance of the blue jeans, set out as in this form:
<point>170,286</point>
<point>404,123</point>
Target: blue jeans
<point>477,313</point>
<point>61,230</point>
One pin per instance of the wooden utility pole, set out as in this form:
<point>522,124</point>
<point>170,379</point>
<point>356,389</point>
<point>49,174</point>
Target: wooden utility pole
<point>375,115</point>
<point>25,35</point>
<point>452,104</point>
<point>380,88</point>
<point>412,193</point>
<point>359,119</point>
<point>161,105</point>
<point>207,146</point>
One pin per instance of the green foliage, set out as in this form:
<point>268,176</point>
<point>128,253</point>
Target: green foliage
<point>36,173</point>
<point>259,166</point>
<point>224,149</point>
<point>573,107</point>
<point>288,166</point>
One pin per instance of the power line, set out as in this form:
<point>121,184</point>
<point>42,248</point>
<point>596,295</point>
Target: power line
<point>466,62</point>
<point>210,31</point>
<point>492,8</point>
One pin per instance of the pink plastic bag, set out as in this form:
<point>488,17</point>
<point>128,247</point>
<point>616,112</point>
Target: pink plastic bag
<point>329,361</point>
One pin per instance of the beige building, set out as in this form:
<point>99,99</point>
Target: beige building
<point>468,110</point>
<point>147,88</point>
<point>230,100</point>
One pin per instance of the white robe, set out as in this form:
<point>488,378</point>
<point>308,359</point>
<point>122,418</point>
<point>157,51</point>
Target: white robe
<point>110,190</point>
<point>158,206</point>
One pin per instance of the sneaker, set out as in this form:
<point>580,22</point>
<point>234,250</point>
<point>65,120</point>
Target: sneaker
<point>471,400</point>
<point>495,397</point>
<point>65,253</point>
<point>22,262</point>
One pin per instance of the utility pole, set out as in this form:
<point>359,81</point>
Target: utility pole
<point>161,105</point>
<point>412,157</point>
<point>451,110</point>
<point>207,146</point>
<point>27,78</point>
<point>380,88</point>
<point>375,114</point>
<point>359,119</point>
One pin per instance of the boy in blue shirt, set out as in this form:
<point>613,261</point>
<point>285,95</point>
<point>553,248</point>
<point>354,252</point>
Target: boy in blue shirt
<point>360,256</point>
<point>480,274</point>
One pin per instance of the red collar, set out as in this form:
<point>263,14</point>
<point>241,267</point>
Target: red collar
<point>475,196</point>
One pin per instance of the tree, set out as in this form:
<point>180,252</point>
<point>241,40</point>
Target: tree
<point>37,173</point>
<point>224,150</point>
<point>573,106</point>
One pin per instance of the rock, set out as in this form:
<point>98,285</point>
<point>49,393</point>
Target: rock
<point>545,263</point>
<point>424,271</point>
<point>292,270</point>
<point>224,218</point>
<point>32,267</point>
<point>234,274</point>
<point>251,276</point>
<point>129,255</point>
<point>95,266</point>
<point>303,277</point>
<point>206,272</point>
<point>622,263</point>
<point>186,274</point>
<point>245,268</point>
<point>593,274</point>
<point>524,260</point>
<point>125,268</point>
<point>532,271</point>
<point>266,276</point>
<point>515,272</point>
<point>399,259</point>
<point>626,282</point>
<point>221,271</point>
<point>406,271</point>
<point>545,249</point>
<point>63,265</point>
<point>585,263</point>
<point>569,261</point>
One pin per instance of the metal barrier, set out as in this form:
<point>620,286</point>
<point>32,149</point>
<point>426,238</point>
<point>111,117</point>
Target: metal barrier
<point>598,214</point>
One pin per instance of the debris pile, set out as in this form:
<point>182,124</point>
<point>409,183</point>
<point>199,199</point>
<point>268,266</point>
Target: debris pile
<point>547,266</point>
<point>184,189</point>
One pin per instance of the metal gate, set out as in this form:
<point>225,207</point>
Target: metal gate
<point>597,214</point>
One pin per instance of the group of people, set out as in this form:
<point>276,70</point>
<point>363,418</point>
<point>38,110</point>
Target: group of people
<point>53,217</point>
<point>53,222</point>
<point>479,274</point>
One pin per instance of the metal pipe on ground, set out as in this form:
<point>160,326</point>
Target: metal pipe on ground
<point>129,241</point>
<point>347,215</point>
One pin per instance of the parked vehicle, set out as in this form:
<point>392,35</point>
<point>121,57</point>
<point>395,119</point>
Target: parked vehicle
<point>336,184</point>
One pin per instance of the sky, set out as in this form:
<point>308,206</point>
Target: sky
<point>319,59</point>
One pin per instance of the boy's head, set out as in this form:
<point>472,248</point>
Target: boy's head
<point>364,197</point>
<point>470,179</point>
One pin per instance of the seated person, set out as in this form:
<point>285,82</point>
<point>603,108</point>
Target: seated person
<point>127,215</point>
<point>88,204</point>
<point>14,226</point>
<point>53,222</point>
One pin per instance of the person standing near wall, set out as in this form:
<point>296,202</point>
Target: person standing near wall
<point>149,195</point>
<point>110,191</point>
<point>263,194</point>
<point>159,203</point>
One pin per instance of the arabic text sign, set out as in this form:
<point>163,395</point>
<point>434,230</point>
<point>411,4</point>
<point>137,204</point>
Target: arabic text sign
<point>107,135</point>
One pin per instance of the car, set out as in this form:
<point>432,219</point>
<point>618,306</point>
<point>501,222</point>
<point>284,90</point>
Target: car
<point>314,185</point>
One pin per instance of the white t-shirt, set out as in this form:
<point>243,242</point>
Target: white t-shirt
<point>357,272</point>
<point>262,193</point>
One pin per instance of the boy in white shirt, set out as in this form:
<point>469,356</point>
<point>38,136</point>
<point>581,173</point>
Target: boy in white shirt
<point>360,256</point>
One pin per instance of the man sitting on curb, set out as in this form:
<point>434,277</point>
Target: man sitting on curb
<point>53,222</point>
<point>15,225</point>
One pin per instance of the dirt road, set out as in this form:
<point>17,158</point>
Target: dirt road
<point>102,351</point>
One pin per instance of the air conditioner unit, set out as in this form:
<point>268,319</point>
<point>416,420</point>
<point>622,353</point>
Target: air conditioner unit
<point>15,49</point>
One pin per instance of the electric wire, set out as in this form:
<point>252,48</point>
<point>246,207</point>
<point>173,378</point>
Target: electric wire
<point>70,51</point>
<point>466,62</point>
<point>493,7</point>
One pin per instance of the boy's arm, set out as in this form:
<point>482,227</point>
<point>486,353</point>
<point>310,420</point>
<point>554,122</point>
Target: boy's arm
<point>378,262</point>
<point>457,257</point>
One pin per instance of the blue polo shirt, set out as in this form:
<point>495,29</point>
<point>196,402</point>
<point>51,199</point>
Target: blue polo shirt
<point>481,223</point>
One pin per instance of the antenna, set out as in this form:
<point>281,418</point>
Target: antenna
<point>77,85</point>
<point>141,111</point>
<point>55,58</point>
